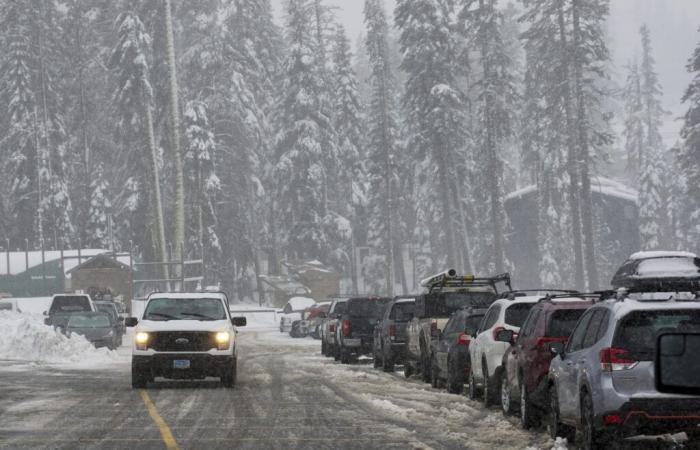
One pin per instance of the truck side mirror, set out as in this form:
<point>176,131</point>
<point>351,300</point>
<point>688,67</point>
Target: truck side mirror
<point>239,321</point>
<point>131,321</point>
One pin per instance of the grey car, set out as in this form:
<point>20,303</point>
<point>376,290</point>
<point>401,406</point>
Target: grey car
<point>98,328</point>
<point>602,382</point>
<point>390,333</point>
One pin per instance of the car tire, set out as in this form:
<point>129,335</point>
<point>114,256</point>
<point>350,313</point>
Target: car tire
<point>473,392</point>
<point>528,414</point>
<point>323,348</point>
<point>344,356</point>
<point>228,379</point>
<point>507,404</point>
<point>139,377</point>
<point>387,362</point>
<point>336,353</point>
<point>592,439</point>
<point>407,370</point>
<point>489,389</point>
<point>554,426</point>
<point>455,383</point>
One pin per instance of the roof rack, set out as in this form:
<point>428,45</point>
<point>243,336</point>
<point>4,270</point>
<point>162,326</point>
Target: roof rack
<point>449,279</point>
<point>596,295</point>
<point>525,292</point>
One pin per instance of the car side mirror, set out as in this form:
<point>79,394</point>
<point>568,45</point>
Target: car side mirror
<point>677,355</point>
<point>131,321</point>
<point>507,336</point>
<point>557,348</point>
<point>239,321</point>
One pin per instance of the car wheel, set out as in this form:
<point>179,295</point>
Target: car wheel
<point>487,399</point>
<point>228,379</point>
<point>387,362</point>
<point>473,391</point>
<point>507,405</point>
<point>554,426</point>
<point>592,439</point>
<point>323,348</point>
<point>139,378</point>
<point>336,353</point>
<point>528,415</point>
<point>455,383</point>
<point>344,356</point>
<point>376,361</point>
<point>407,370</point>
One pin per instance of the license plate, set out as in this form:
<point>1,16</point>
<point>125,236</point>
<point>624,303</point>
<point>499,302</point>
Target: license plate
<point>181,364</point>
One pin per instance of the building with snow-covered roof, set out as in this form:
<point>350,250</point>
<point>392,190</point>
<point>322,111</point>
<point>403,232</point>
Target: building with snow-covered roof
<point>614,205</point>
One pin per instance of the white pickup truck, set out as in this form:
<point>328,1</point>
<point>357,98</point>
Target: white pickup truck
<point>185,336</point>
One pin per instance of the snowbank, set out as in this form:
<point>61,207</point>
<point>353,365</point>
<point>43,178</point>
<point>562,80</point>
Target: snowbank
<point>24,337</point>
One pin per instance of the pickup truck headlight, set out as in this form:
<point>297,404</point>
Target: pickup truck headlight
<point>222,340</point>
<point>141,339</point>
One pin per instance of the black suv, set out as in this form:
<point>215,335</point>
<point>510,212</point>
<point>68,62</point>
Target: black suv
<point>390,333</point>
<point>355,332</point>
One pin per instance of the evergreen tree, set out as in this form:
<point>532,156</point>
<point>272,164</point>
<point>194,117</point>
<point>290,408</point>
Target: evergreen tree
<point>99,212</point>
<point>634,122</point>
<point>689,154</point>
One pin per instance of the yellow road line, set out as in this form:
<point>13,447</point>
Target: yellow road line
<point>165,432</point>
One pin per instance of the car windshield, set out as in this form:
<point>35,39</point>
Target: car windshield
<point>91,321</point>
<point>448,303</point>
<point>366,307</point>
<point>69,303</point>
<point>638,331</point>
<point>402,312</point>
<point>163,309</point>
<point>563,321</point>
<point>516,314</point>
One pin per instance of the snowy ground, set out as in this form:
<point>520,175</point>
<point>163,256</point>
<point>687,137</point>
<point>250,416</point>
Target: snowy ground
<point>288,396</point>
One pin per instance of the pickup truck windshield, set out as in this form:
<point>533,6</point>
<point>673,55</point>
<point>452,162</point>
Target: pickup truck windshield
<point>163,309</point>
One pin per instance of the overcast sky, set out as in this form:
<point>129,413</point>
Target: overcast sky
<point>674,31</point>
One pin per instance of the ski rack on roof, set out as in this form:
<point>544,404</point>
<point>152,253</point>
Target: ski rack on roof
<point>544,292</point>
<point>445,281</point>
<point>622,294</point>
<point>595,296</point>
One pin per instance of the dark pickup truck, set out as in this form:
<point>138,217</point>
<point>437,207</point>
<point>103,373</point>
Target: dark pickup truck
<point>390,333</point>
<point>355,332</point>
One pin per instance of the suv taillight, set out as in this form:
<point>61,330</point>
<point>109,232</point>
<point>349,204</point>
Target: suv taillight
<point>346,328</point>
<point>331,328</point>
<point>392,331</point>
<point>463,339</point>
<point>613,359</point>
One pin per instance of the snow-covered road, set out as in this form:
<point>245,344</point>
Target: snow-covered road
<point>288,396</point>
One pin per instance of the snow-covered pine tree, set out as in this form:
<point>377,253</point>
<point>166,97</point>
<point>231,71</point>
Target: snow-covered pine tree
<point>18,148</point>
<point>651,202</point>
<point>299,170</point>
<point>496,93</point>
<point>434,107</point>
<point>97,227</point>
<point>689,154</point>
<point>634,122</point>
<point>133,96</point>
<point>381,150</point>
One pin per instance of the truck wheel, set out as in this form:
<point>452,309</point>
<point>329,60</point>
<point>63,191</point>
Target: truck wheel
<point>455,385</point>
<point>387,363</point>
<point>323,348</point>
<point>345,356</point>
<point>336,353</point>
<point>376,361</point>
<point>407,370</point>
<point>139,378</point>
<point>228,379</point>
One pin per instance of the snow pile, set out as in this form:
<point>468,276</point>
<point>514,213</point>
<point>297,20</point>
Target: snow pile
<point>24,337</point>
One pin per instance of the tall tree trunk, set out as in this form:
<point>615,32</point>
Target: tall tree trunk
<point>446,222</point>
<point>161,249</point>
<point>584,158</point>
<point>572,156</point>
<point>179,239</point>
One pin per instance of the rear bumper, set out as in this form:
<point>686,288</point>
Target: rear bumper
<point>358,345</point>
<point>201,365</point>
<point>656,416</point>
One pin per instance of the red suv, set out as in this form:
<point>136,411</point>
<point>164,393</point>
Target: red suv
<point>527,361</point>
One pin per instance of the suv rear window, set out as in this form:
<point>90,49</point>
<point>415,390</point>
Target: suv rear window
<point>563,321</point>
<point>446,304</point>
<point>69,303</point>
<point>402,312</point>
<point>516,314</point>
<point>637,331</point>
<point>365,307</point>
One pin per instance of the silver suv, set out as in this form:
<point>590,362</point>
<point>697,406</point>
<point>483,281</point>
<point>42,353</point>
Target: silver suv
<point>602,382</point>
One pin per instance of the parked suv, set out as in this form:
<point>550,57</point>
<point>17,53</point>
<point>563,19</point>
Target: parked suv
<point>185,336</point>
<point>526,362</point>
<point>447,293</point>
<point>330,325</point>
<point>486,350</point>
<point>355,330</point>
<point>602,382</point>
<point>451,362</point>
<point>390,333</point>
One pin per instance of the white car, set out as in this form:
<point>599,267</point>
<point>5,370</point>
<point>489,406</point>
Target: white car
<point>7,304</point>
<point>486,351</point>
<point>293,311</point>
<point>185,336</point>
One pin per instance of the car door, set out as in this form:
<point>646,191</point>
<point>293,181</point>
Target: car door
<point>567,381</point>
<point>522,353</point>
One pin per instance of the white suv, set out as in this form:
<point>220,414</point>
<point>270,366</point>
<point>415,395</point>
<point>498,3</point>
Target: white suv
<point>486,351</point>
<point>185,336</point>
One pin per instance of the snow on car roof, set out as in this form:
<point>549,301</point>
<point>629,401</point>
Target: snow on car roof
<point>662,254</point>
<point>300,303</point>
<point>406,300</point>
<point>193,295</point>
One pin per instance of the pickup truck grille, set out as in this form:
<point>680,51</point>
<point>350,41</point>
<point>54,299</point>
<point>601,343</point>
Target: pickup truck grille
<point>183,341</point>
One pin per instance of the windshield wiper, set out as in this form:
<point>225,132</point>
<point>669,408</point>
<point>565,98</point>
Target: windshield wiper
<point>194,314</point>
<point>166,316</point>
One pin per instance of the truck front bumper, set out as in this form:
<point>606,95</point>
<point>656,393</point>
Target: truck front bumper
<point>201,365</point>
